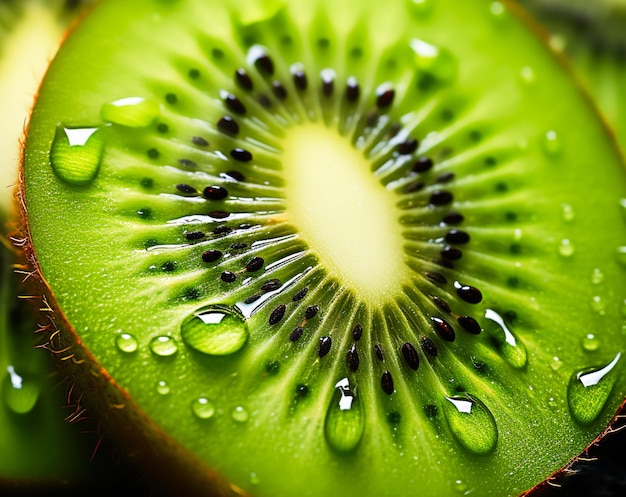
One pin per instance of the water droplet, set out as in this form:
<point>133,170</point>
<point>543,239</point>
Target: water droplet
<point>215,330</point>
<point>254,479</point>
<point>420,8</point>
<point>435,61</point>
<point>460,486</point>
<point>621,255</point>
<point>497,11</point>
<point>163,346</point>
<point>567,211</point>
<point>551,143</point>
<point>132,112</point>
<point>556,364</point>
<point>558,43</point>
<point>240,414</point>
<point>527,75</point>
<point>345,420</point>
<point>126,343</point>
<point>203,408</point>
<point>589,390</point>
<point>598,305</point>
<point>472,423</point>
<point>162,387</point>
<point>510,346</point>
<point>76,154</point>
<point>566,249</point>
<point>597,276</point>
<point>19,393</point>
<point>590,342</point>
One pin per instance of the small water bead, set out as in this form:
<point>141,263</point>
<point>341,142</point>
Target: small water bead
<point>598,305</point>
<point>590,342</point>
<point>471,423</point>
<point>460,486</point>
<point>163,346</point>
<point>162,387</point>
<point>589,389</point>
<point>512,349</point>
<point>240,414</point>
<point>132,112</point>
<point>76,154</point>
<point>216,330</point>
<point>435,61</point>
<point>345,420</point>
<point>567,212</point>
<point>551,143</point>
<point>597,276</point>
<point>126,342</point>
<point>566,249</point>
<point>203,408</point>
<point>19,393</point>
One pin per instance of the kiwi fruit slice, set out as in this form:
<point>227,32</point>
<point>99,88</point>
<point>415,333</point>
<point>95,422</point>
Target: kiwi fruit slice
<point>338,248</point>
<point>591,34</point>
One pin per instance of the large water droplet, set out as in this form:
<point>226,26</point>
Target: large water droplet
<point>589,390</point>
<point>240,414</point>
<point>162,387</point>
<point>76,154</point>
<point>551,143</point>
<point>435,61</point>
<point>125,342</point>
<point>511,347</point>
<point>203,408</point>
<point>472,423</point>
<point>132,112</point>
<point>163,346</point>
<point>215,330</point>
<point>20,394</point>
<point>345,421</point>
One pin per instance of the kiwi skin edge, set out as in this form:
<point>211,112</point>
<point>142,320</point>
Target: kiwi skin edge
<point>123,420</point>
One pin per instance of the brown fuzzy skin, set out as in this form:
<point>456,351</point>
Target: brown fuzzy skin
<point>145,443</point>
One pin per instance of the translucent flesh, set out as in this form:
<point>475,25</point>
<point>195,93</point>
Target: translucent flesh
<point>536,177</point>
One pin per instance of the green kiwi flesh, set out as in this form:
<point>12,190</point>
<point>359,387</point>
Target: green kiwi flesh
<point>438,311</point>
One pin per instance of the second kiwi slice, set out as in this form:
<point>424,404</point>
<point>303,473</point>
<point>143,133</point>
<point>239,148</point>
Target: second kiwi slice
<point>330,248</point>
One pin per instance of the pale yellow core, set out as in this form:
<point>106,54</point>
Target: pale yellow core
<point>344,214</point>
<point>25,56</point>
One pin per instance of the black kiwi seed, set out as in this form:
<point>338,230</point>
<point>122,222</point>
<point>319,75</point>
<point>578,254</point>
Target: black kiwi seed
<point>444,178</point>
<point>222,230</point>
<point>422,165</point>
<point>296,334</point>
<point>324,347</point>
<point>443,329</point>
<point>440,197</point>
<point>469,294</point>
<point>234,104</point>
<point>352,358</point>
<point>187,163</point>
<point>311,311</point>
<point>236,175</point>
<point>300,80</point>
<point>410,355</point>
<point>241,154</point>
<point>153,153</point>
<point>457,237</point>
<point>265,101</point>
<point>201,142</point>
<point>238,245</point>
<point>328,82</point>
<point>352,89</point>
<point>215,192</point>
<point>254,264</point>
<point>469,324</point>
<point>228,125</point>
<point>168,266</point>
<point>300,294</point>
<point>357,332</point>
<point>378,350</point>
<point>441,304</point>
<point>386,381</point>
<point>243,79</point>
<point>280,92</point>
<point>414,187</point>
<point>407,147</point>
<point>270,285</point>
<point>228,277</point>
<point>453,218</point>
<point>171,98</point>
<point>194,235</point>
<point>264,64</point>
<point>429,347</point>
<point>277,314</point>
<point>384,96</point>
<point>437,278</point>
<point>451,253</point>
<point>184,188</point>
<point>252,299</point>
<point>219,214</point>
